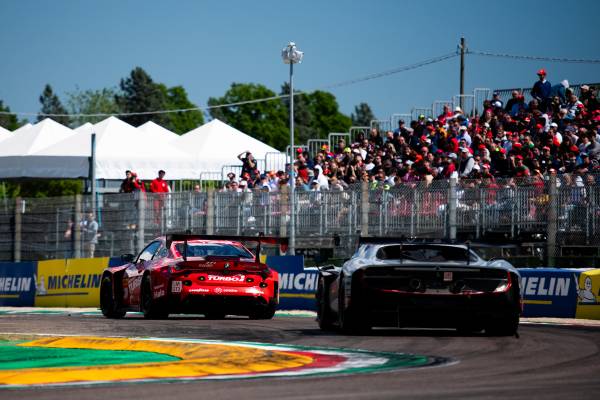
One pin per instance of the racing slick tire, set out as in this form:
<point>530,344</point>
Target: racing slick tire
<point>349,321</point>
<point>150,307</point>
<point>264,312</point>
<point>214,315</point>
<point>324,317</point>
<point>506,326</point>
<point>108,304</point>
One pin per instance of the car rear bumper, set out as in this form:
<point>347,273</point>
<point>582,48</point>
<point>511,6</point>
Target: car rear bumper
<point>392,310</point>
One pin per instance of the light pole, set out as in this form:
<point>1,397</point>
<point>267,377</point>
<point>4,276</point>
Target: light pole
<point>291,55</point>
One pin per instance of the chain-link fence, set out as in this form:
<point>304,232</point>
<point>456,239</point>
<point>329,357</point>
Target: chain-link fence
<point>558,216</point>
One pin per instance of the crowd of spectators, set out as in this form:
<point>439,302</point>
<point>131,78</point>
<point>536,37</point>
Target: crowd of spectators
<point>556,132</point>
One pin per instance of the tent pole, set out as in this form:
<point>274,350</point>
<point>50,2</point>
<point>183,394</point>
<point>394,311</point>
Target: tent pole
<point>93,172</point>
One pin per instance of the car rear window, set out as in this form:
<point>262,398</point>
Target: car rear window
<point>213,249</point>
<point>424,253</point>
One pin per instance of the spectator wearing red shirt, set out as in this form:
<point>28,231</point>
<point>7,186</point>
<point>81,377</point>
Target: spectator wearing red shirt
<point>160,187</point>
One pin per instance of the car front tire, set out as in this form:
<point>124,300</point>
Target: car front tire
<point>150,307</point>
<point>108,304</point>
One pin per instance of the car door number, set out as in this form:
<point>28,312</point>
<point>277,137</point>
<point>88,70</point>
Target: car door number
<point>176,287</point>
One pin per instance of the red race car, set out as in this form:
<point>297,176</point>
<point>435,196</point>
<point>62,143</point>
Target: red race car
<point>193,274</point>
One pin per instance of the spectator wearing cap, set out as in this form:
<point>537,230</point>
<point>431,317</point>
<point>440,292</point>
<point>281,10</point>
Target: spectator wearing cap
<point>496,102</point>
<point>573,106</point>
<point>465,166</point>
<point>515,95</point>
<point>541,89</point>
<point>320,178</point>
<point>560,91</point>
<point>463,134</point>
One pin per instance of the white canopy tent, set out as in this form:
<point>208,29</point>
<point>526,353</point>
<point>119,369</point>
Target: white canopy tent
<point>4,134</point>
<point>119,147</point>
<point>154,131</point>
<point>16,152</point>
<point>216,144</point>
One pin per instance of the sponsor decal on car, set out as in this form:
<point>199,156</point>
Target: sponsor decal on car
<point>159,293</point>
<point>222,278</point>
<point>198,290</point>
<point>176,286</point>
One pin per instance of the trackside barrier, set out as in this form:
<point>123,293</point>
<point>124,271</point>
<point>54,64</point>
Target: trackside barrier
<point>17,283</point>
<point>297,285</point>
<point>560,293</point>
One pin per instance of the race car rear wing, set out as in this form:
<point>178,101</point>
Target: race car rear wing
<point>185,237</point>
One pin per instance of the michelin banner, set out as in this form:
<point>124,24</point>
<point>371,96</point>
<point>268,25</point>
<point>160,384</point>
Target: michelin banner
<point>297,285</point>
<point>69,283</point>
<point>17,284</point>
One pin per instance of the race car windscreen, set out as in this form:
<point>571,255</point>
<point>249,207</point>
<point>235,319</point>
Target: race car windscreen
<point>213,249</point>
<point>424,253</point>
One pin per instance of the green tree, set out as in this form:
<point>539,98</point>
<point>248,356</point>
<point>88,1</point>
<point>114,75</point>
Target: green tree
<point>51,105</point>
<point>316,115</point>
<point>362,115</point>
<point>266,121</point>
<point>180,122</point>
<point>41,187</point>
<point>8,121</point>
<point>91,102</point>
<point>139,93</point>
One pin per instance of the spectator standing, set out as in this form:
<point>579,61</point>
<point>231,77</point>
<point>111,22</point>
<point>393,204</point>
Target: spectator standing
<point>541,89</point>
<point>248,163</point>
<point>159,187</point>
<point>89,230</point>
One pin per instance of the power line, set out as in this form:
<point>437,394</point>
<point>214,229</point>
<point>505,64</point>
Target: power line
<point>240,103</point>
<point>533,58</point>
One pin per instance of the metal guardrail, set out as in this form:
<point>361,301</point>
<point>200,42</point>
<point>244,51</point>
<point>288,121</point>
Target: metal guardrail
<point>567,214</point>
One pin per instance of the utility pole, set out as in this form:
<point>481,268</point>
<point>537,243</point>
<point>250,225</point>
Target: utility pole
<point>462,71</point>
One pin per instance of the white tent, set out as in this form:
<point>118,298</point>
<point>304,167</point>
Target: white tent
<point>216,144</point>
<point>28,140</point>
<point>4,134</point>
<point>16,152</point>
<point>119,147</point>
<point>154,131</point>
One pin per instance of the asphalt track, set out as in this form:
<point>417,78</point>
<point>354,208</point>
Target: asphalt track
<point>544,362</point>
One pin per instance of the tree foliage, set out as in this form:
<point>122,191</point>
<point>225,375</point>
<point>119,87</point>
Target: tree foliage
<point>265,121</point>
<point>362,115</point>
<point>41,187</point>
<point>91,102</point>
<point>316,115</point>
<point>8,121</point>
<point>139,93</point>
<point>181,122</point>
<point>51,105</point>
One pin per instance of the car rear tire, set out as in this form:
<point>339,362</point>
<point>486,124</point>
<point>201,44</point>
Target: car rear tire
<point>506,326</point>
<point>108,304</point>
<point>349,322</point>
<point>264,312</point>
<point>151,308</point>
<point>324,317</point>
<point>214,315</point>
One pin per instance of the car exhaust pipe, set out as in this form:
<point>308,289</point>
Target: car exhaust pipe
<point>415,284</point>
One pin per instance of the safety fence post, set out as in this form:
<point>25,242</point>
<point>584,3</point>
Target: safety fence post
<point>552,221</point>
<point>210,211</point>
<point>17,230</point>
<point>364,207</point>
<point>141,223</point>
<point>452,210</point>
<point>77,225</point>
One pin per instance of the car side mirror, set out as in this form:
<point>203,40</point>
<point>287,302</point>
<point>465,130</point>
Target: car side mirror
<point>127,258</point>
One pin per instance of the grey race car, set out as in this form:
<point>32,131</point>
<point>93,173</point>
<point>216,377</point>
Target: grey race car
<point>394,283</point>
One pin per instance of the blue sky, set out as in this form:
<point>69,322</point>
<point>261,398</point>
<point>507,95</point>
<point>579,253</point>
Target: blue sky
<point>207,45</point>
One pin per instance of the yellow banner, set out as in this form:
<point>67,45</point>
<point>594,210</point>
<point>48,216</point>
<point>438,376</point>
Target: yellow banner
<point>69,283</point>
<point>588,295</point>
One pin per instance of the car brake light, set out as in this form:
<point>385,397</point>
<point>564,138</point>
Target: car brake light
<point>504,284</point>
